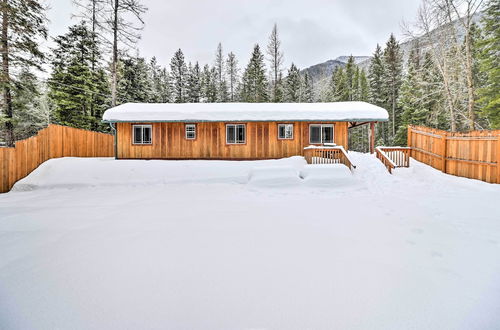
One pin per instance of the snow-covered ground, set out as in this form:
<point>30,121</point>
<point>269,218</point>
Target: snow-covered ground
<point>105,244</point>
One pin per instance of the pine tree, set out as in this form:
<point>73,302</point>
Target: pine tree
<point>254,84</point>
<point>293,84</point>
<point>232,74</point>
<point>355,94</point>
<point>194,83</point>
<point>76,92</point>
<point>208,84</point>
<point>275,61</point>
<point>222,94</point>
<point>489,60</point>
<point>32,111</point>
<point>349,78</point>
<point>307,89</point>
<point>135,83</point>
<point>178,77</point>
<point>364,90</point>
<point>376,79</point>
<point>392,81</point>
<point>23,23</point>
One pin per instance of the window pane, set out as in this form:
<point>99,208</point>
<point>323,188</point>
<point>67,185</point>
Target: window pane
<point>281,131</point>
<point>241,134</point>
<point>137,134</point>
<point>315,134</point>
<point>289,131</point>
<point>146,134</point>
<point>327,134</point>
<point>230,134</point>
<point>190,132</point>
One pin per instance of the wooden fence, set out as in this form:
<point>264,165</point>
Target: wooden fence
<point>474,154</point>
<point>327,155</point>
<point>52,142</point>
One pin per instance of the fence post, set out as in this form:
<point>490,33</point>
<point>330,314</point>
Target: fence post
<point>444,147</point>
<point>498,157</point>
<point>408,142</point>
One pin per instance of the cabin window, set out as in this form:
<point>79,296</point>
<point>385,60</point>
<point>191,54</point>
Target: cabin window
<point>190,131</point>
<point>235,134</point>
<point>141,134</point>
<point>319,133</point>
<point>285,131</point>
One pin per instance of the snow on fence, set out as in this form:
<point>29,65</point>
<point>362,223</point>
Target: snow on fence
<point>52,142</point>
<point>327,155</point>
<point>393,157</point>
<point>474,154</point>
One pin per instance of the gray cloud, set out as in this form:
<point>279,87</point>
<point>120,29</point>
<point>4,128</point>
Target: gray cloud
<point>312,31</point>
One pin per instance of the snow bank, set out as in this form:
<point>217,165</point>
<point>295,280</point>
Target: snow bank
<point>327,175</point>
<point>95,172</point>
<point>418,249</point>
<point>199,112</point>
<point>274,176</point>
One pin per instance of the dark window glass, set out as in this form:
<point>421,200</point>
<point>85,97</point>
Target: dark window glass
<point>281,131</point>
<point>146,134</point>
<point>241,134</point>
<point>137,134</point>
<point>327,134</point>
<point>315,134</point>
<point>230,134</point>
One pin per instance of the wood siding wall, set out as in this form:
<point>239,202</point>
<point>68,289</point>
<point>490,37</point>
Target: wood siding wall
<point>52,142</point>
<point>262,141</point>
<point>474,155</point>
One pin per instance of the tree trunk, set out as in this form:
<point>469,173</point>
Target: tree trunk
<point>470,82</point>
<point>7,97</point>
<point>114,64</point>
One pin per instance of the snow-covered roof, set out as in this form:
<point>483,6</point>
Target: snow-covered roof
<point>210,112</point>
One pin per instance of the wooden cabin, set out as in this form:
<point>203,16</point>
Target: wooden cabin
<point>234,131</point>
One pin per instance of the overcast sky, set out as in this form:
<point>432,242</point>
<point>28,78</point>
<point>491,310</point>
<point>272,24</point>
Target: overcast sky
<point>312,31</point>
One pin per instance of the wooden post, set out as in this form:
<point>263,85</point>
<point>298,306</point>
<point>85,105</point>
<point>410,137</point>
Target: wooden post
<point>444,148</point>
<point>372,137</point>
<point>498,158</point>
<point>408,141</point>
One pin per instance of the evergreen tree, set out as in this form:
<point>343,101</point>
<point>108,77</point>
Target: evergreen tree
<point>489,60</point>
<point>293,84</point>
<point>376,79</point>
<point>222,94</point>
<point>178,77</point>
<point>32,111</point>
<point>135,83</point>
<point>160,83</point>
<point>307,89</point>
<point>341,92</point>
<point>275,61</point>
<point>349,72</point>
<point>208,84</point>
<point>254,84</point>
<point>364,89</point>
<point>23,23</point>
<point>355,94</point>
<point>194,83</point>
<point>76,92</point>
<point>392,81</point>
<point>232,74</point>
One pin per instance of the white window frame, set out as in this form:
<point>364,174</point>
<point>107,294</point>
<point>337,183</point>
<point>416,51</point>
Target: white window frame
<point>190,126</point>
<point>142,127</point>
<point>321,133</point>
<point>235,136</point>
<point>285,137</point>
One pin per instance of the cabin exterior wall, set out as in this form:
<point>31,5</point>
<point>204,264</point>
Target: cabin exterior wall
<point>169,142</point>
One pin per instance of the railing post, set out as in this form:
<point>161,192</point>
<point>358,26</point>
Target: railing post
<point>372,137</point>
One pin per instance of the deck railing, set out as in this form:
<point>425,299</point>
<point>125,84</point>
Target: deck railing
<point>393,157</point>
<point>327,155</point>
